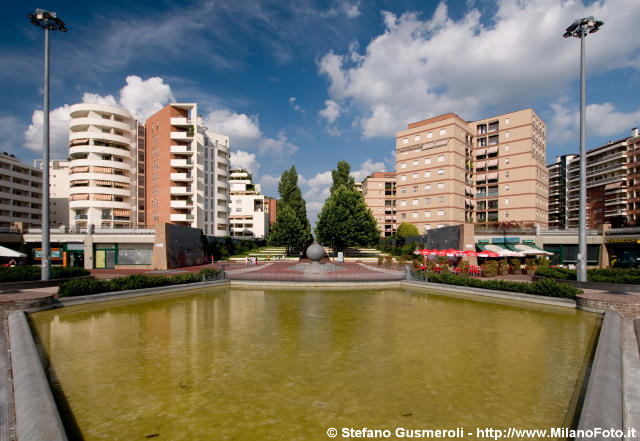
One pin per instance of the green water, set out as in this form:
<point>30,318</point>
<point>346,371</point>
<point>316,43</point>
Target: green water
<point>287,365</point>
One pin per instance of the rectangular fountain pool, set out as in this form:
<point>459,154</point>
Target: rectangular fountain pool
<point>248,364</point>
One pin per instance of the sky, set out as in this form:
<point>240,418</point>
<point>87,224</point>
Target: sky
<point>310,83</point>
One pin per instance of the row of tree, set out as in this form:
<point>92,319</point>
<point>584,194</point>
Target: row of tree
<point>345,219</point>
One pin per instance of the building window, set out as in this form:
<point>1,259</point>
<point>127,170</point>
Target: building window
<point>506,187</point>
<point>440,199</point>
<point>414,215</point>
<point>405,141</point>
<point>403,178</point>
<point>506,174</point>
<point>403,190</point>
<point>506,201</point>
<point>506,161</point>
<point>506,135</point>
<point>415,162</point>
<point>506,214</point>
<point>427,201</point>
<point>441,172</point>
<point>415,176</point>
<point>427,161</point>
<point>403,203</point>
<point>416,138</point>
<point>427,174</point>
<point>441,185</point>
<point>403,216</point>
<point>414,202</point>
<point>506,121</point>
<point>427,187</point>
<point>427,214</point>
<point>441,158</point>
<point>443,131</point>
<point>415,188</point>
<point>430,135</point>
<point>403,165</point>
<point>440,212</point>
<point>506,148</point>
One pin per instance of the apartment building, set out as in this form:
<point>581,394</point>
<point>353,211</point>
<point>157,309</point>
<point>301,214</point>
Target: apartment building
<point>450,171</point>
<point>187,171</point>
<point>103,168</point>
<point>379,192</point>
<point>271,205</point>
<point>20,192</point>
<point>613,184</point>
<point>558,173</point>
<point>58,191</point>
<point>249,217</point>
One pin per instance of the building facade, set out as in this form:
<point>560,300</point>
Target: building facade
<point>558,184</point>
<point>20,192</point>
<point>450,171</point>
<point>249,218</point>
<point>612,184</point>
<point>187,171</point>
<point>58,191</point>
<point>379,192</point>
<point>103,169</point>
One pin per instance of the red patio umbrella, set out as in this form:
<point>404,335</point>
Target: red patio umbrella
<point>424,252</point>
<point>441,252</point>
<point>454,252</point>
<point>470,253</point>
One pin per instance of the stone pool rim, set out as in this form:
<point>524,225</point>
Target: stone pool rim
<point>36,400</point>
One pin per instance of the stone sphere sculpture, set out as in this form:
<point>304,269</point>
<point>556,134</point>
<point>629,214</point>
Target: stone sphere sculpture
<point>315,252</point>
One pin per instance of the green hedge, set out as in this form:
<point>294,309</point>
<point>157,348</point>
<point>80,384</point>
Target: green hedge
<point>22,273</point>
<point>81,287</point>
<point>543,287</point>
<point>608,275</point>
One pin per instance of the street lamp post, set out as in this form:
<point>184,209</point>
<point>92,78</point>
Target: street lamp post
<point>579,29</point>
<point>49,22</point>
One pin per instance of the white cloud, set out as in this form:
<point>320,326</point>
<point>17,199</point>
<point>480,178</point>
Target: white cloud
<point>145,97</point>
<point>58,132</point>
<point>331,112</point>
<point>242,159</point>
<point>352,10</point>
<point>94,98</point>
<point>421,68</point>
<point>602,120</point>
<point>367,168</point>
<point>243,130</point>
<point>295,105</point>
<point>278,146</point>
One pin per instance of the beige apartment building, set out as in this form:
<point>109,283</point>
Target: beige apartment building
<point>450,171</point>
<point>249,215</point>
<point>58,191</point>
<point>20,192</point>
<point>187,171</point>
<point>613,184</point>
<point>379,192</point>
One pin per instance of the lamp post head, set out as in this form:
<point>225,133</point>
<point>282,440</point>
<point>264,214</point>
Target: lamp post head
<point>583,26</point>
<point>47,20</point>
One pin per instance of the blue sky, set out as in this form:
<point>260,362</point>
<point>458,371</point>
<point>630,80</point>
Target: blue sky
<point>311,83</point>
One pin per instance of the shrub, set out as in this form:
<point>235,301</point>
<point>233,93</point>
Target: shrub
<point>464,267</point>
<point>81,287</point>
<point>503,267</point>
<point>544,287</point>
<point>515,265</point>
<point>490,268</point>
<point>556,273</point>
<point>24,273</point>
<point>380,260</point>
<point>388,261</point>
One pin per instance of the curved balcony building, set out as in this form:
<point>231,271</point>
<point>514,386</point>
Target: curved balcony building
<point>103,163</point>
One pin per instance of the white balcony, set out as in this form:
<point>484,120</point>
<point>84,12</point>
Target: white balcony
<point>183,204</point>
<point>181,217</point>
<point>181,177</point>
<point>181,191</point>
<point>181,121</point>
<point>181,136</point>
<point>182,163</point>
<point>181,150</point>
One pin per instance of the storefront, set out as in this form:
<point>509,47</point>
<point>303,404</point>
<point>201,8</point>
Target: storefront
<point>108,255</point>
<point>624,252</point>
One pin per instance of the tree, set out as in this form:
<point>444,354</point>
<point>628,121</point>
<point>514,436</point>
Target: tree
<point>292,228</point>
<point>405,229</point>
<point>342,176</point>
<point>291,195</point>
<point>287,229</point>
<point>345,220</point>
